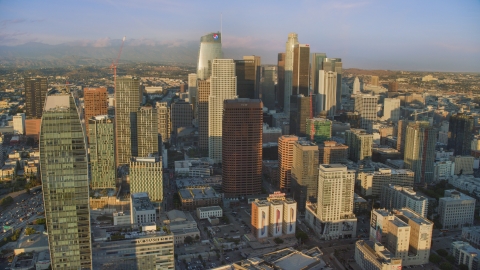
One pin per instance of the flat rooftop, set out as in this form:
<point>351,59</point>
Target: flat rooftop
<point>141,202</point>
<point>198,193</point>
<point>210,208</point>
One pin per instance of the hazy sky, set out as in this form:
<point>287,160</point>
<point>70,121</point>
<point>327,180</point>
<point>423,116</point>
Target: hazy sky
<point>439,35</point>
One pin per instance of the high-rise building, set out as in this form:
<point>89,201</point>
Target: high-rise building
<point>281,80</point>
<point>401,134</point>
<point>35,92</point>
<point>127,100</point>
<point>374,80</point>
<point>461,133</point>
<point>290,46</point>
<point>146,176</point>
<point>164,126</point>
<point>223,85</point>
<point>299,113</point>
<point>301,70</point>
<point>331,152</point>
<point>371,183</point>
<point>396,197</point>
<point>192,93</point>
<point>245,70</point>
<point>393,86</point>
<point>95,101</point>
<point>210,49</point>
<point>267,86</point>
<point>356,86</point>
<point>257,62</point>
<point>203,95</point>
<point>285,160</point>
<point>419,156</point>
<point>64,168</point>
<point>181,115</point>
<point>19,123</point>
<point>391,109</point>
<point>102,152</point>
<point>315,66</point>
<point>321,129</point>
<point>359,144</point>
<point>335,65</point>
<point>145,141</point>
<point>32,128</point>
<point>326,99</point>
<point>304,172</point>
<point>366,105</point>
<point>242,147</point>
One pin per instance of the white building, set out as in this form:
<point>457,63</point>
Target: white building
<point>209,211</point>
<point>19,123</point>
<point>373,256</point>
<point>391,109</point>
<point>456,210</point>
<point>121,218</point>
<point>223,85</point>
<point>366,105</point>
<point>142,209</point>
<point>356,86</point>
<point>466,254</point>
<point>396,197</point>
<point>327,92</point>
<point>443,169</point>
<point>471,235</point>
<point>466,182</point>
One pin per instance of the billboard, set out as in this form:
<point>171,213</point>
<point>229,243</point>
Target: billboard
<point>289,218</point>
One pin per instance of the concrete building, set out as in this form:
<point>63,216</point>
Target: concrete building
<point>163,123</point>
<point>32,128</point>
<point>366,105</point>
<point>182,225</point>
<point>463,164</point>
<point>335,65</point>
<point>292,41</point>
<point>145,136</point>
<point>122,218</point>
<point>373,256</point>
<point>95,101</point>
<point>142,209</point>
<point>209,211</point>
<point>396,197</point>
<point>301,68</point>
<point>471,235</point>
<point>332,216</point>
<point>181,115</point>
<point>326,99</point>
<point>371,183</point>
<point>391,109</point>
<point>203,96</point>
<point>316,64</point>
<point>299,113</point>
<point>443,170</point>
<point>331,152</point>
<point>223,86</point>
<point>374,80</point>
<point>193,93</point>
<point>193,197</point>
<point>146,176</point>
<point>19,123</point>
<point>456,210</point>
<point>466,254</point>
<point>304,173</point>
<point>35,93</point>
<point>285,161</point>
<point>268,86</point>
<point>102,152</point>
<point>318,130</point>
<point>359,144</point>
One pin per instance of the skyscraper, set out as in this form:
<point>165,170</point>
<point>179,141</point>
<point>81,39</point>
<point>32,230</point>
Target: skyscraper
<point>246,72</point>
<point>356,86</point>
<point>322,129</point>
<point>35,93</point>
<point>267,86</point>
<point>299,113</point>
<point>359,144</point>
<point>192,93</point>
<point>242,147</point>
<point>326,99</point>
<point>366,105</point>
<point>146,176</point>
<point>203,94</point>
<point>393,86</point>
<point>146,132</point>
<point>420,151</point>
<point>331,152</point>
<point>290,45</point>
<point>315,66</point>
<point>95,101</point>
<point>301,70</point>
<point>223,85</point>
<point>374,80</point>
<point>461,133</point>
<point>64,168</point>
<point>210,49</point>
<point>335,65</point>
<point>257,62</point>
<point>391,109</point>
<point>127,101</point>
<point>181,115</point>
<point>285,160</point>
<point>304,172</point>
<point>102,152</point>
<point>164,127</point>
<point>281,80</point>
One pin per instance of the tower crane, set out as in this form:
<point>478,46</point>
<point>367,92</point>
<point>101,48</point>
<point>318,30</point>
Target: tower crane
<point>415,113</point>
<point>114,66</point>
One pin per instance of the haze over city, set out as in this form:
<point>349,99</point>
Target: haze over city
<point>397,35</point>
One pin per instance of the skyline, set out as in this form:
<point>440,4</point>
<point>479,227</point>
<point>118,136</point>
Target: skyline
<point>430,35</point>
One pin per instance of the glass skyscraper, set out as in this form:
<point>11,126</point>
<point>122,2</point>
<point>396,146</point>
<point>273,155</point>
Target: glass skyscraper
<point>210,48</point>
<point>64,168</point>
<point>102,152</point>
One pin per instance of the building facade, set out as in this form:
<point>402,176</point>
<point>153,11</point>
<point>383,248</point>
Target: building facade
<point>145,140</point>
<point>373,256</point>
<point>301,70</point>
<point>95,101</point>
<point>102,152</point>
<point>326,98</point>
<point>35,92</point>
<point>456,210</point>
<point>318,130</point>
<point>146,176</point>
<point>304,172</point>
<point>285,161</point>
<point>396,197</point>
<point>359,144</point>
<point>331,152</point>
<point>371,183</point>
<point>181,115</point>
<point>461,133</point>
<point>210,49</point>
<point>289,54</point>
<point>299,113</point>
<point>366,105</point>
<point>163,122</point>
<point>391,109</point>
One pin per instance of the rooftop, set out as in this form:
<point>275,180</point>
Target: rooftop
<point>141,202</point>
<point>198,193</point>
<point>209,208</point>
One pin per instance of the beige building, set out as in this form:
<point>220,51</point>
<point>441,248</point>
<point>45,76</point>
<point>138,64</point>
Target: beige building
<point>285,160</point>
<point>163,123</point>
<point>182,225</point>
<point>193,197</point>
<point>366,105</point>
<point>359,144</point>
<point>374,256</point>
<point>456,210</point>
<point>203,92</point>
<point>304,172</point>
<point>147,132</point>
<point>146,176</point>
<point>332,152</point>
<point>371,184</point>
<point>463,164</point>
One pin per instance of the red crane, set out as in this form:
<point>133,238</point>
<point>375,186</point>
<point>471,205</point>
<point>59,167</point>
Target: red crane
<point>114,66</point>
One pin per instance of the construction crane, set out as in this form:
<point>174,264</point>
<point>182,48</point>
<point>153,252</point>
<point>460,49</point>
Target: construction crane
<point>417,113</point>
<point>114,66</point>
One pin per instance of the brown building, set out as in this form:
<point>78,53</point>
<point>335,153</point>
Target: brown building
<point>393,86</point>
<point>32,128</point>
<point>301,69</point>
<point>281,79</point>
<point>285,160</point>
<point>96,103</point>
<point>242,147</point>
<point>181,115</point>
<point>401,134</point>
<point>35,93</point>
<point>203,92</point>
<point>299,113</point>
<point>182,87</point>
<point>331,152</point>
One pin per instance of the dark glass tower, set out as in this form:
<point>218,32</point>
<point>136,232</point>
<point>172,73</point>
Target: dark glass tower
<point>35,93</point>
<point>461,133</point>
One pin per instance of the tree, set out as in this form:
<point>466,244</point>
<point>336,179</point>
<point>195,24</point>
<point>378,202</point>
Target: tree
<point>39,221</point>
<point>301,235</point>
<point>188,240</point>
<point>451,259</point>
<point>27,190</point>
<point>442,252</point>
<point>200,257</point>
<point>278,241</point>
<point>434,258</point>
<point>463,267</point>
<point>29,231</point>
<point>446,266</point>
<point>6,201</point>
<point>197,237</point>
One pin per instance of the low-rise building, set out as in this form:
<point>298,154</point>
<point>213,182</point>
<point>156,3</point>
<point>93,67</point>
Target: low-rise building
<point>193,197</point>
<point>456,210</point>
<point>121,218</point>
<point>182,225</point>
<point>371,183</point>
<point>466,254</point>
<point>396,197</point>
<point>373,256</point>
<point>142,209</point>
<point>209,211</point>
<point>443,169</point>
<point>471,235</point>
<point>463,164</point>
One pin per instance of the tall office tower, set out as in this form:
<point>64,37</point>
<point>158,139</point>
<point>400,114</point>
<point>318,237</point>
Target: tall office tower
<point>322,129</point>
<point>299,113</point>
<point>181,115</point>
<point>146,176</point>
<point>420,151</point>
<point>223,85</point>
<point>335,65</point>
<point>396,197</point>
<point>391,109</point>
<point>356,86</point>
<point>301,70</point>
<point>281,80</point>
<point>102,152</point>
<point>147,132</point>
<point>35,93</point>
<point>267,86</point>
<point>285,161</point>
<point>461,133</point>
<point>359,144</point>
<point>127,100</point>
<point>258,72</point>
<point>374,80</point>
<point>242,147</point>
<point>192,93</point>
<point>246,72</point>
<point>401,134</point>
<point>366,105</point>
<point>287,93</point>
<point>331,152</point>
<point>95,101</point>
<point>315,66</point>
<point>327,93</point>
<point>64,168</point>
<point>393,86</point>
<point>304,172</point>
<point>210,49</point>
<point>203,94</point>
<point>163,122</point>
<point>19,123</point>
